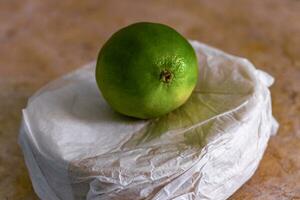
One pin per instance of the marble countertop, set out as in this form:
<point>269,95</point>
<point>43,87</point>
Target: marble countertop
<point>42,40</point>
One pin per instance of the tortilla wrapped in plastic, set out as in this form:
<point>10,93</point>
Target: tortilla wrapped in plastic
<point>76,147</point>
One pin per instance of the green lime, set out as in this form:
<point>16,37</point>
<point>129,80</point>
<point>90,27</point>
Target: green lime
<point>146,70</point>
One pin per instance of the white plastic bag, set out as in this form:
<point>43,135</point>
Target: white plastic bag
<point>76,147</point>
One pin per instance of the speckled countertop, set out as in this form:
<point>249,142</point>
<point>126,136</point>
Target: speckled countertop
<point>42,40</point>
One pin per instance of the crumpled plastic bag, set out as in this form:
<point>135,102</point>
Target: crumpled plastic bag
<point>76,147</point>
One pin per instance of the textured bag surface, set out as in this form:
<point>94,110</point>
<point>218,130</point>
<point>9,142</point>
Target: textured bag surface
<point>76,147</point>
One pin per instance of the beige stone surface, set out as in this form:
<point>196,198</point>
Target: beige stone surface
<point>42,40</point>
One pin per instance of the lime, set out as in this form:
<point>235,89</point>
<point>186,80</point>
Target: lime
<point>146,70</point>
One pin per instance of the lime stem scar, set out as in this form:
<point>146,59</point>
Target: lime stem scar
<point>166,76</point>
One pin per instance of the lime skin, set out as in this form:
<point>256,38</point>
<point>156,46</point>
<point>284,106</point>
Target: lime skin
<point>146,70</point>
